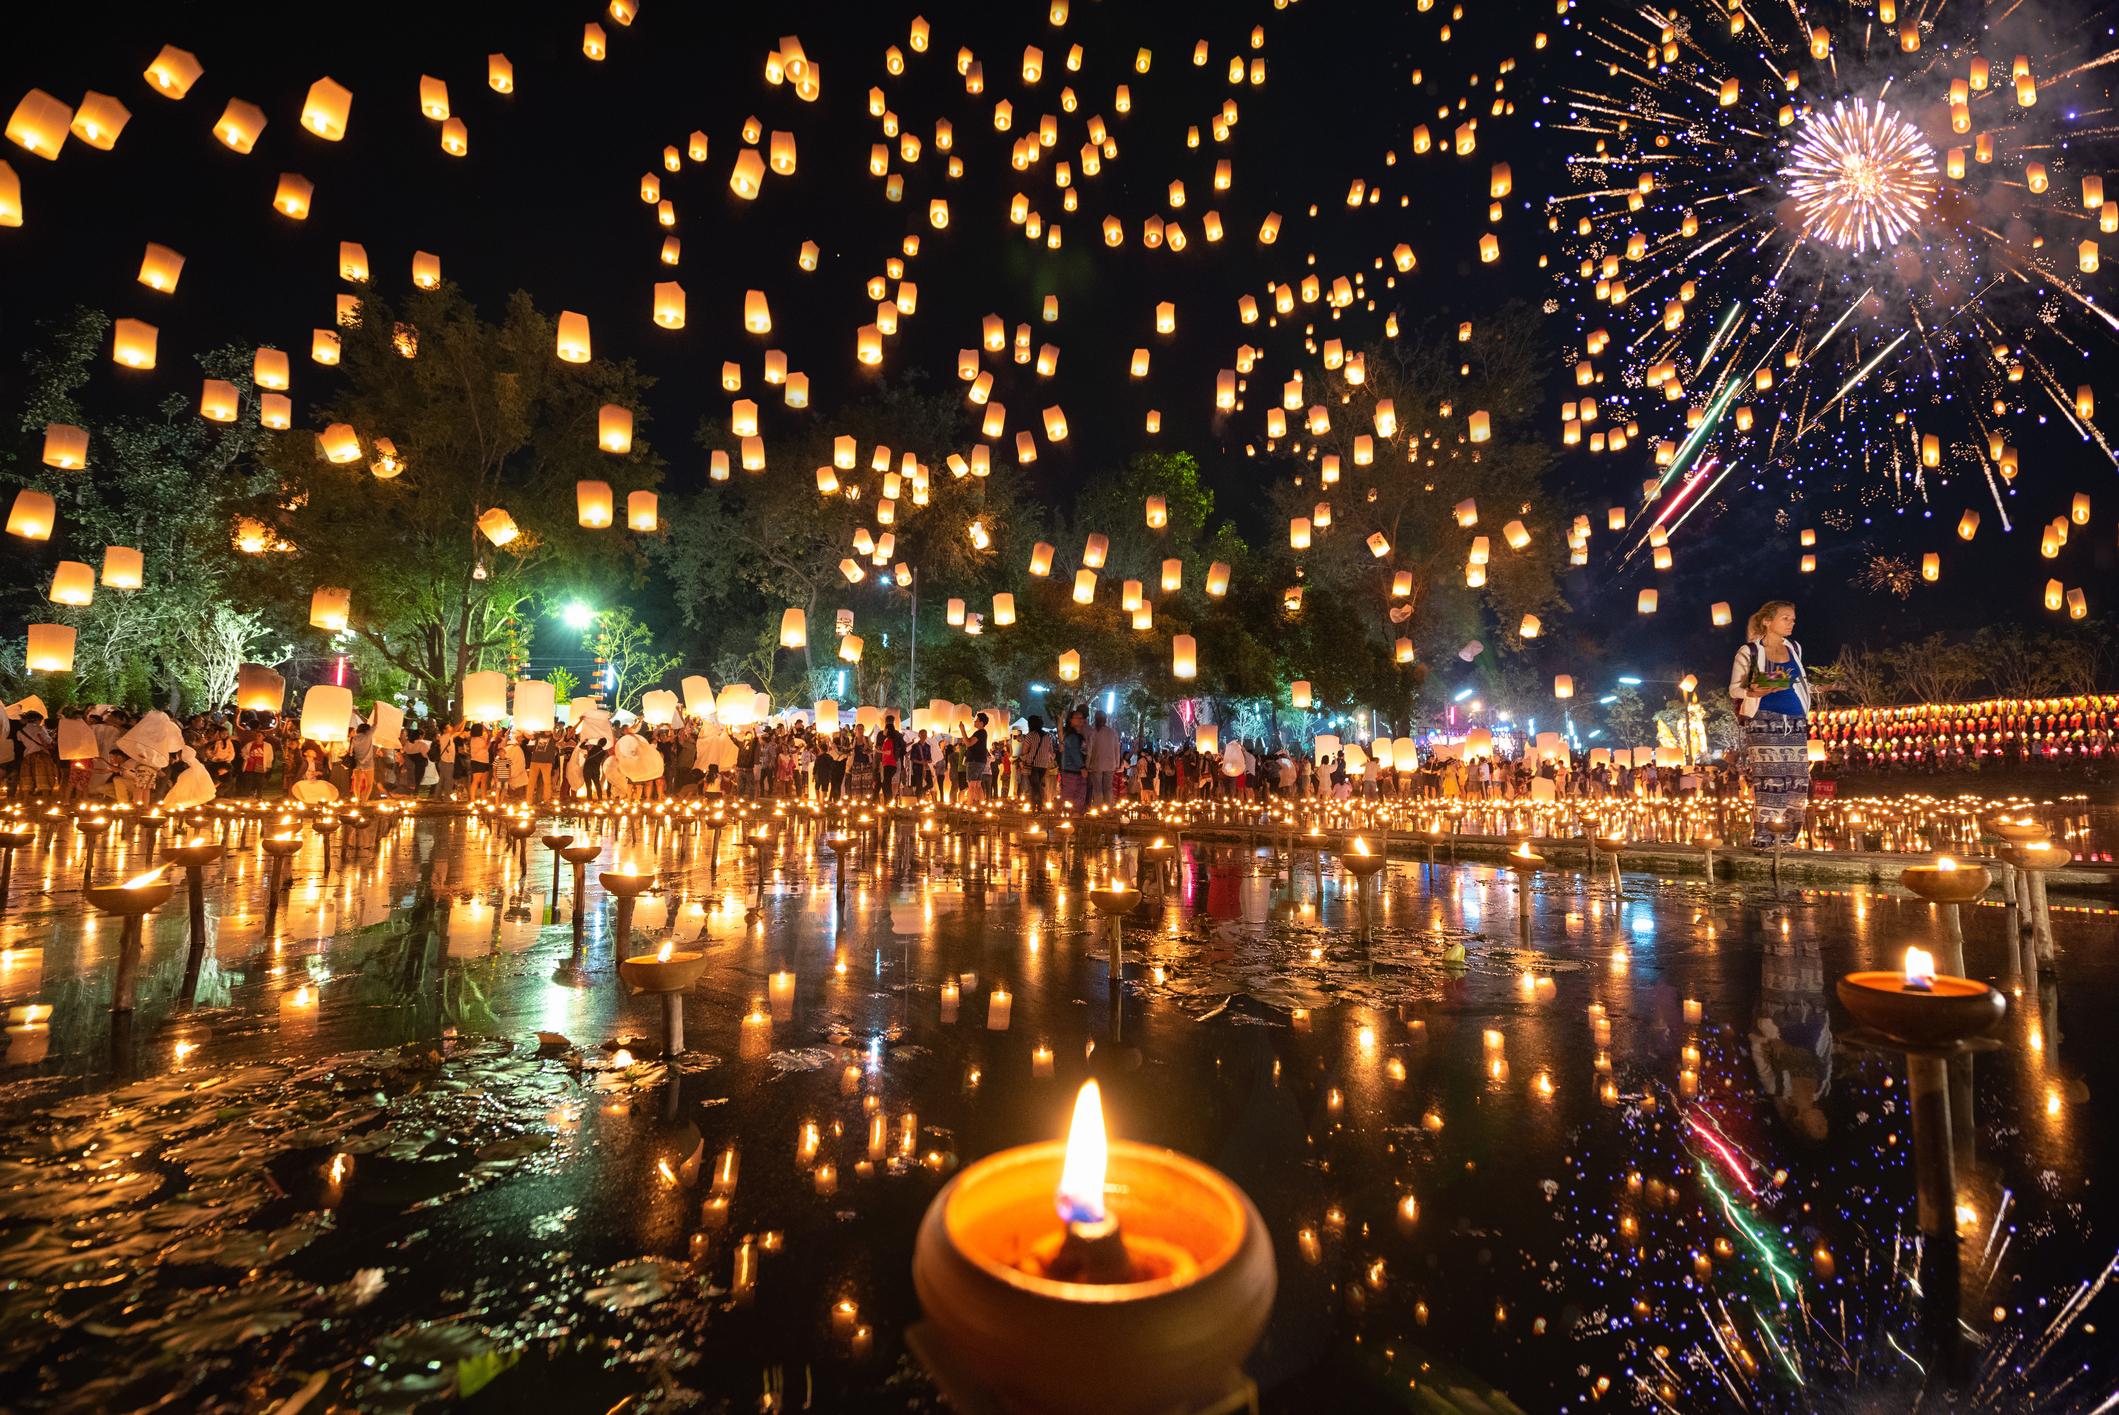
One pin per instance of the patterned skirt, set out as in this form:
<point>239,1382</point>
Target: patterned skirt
<point>1777,759</point>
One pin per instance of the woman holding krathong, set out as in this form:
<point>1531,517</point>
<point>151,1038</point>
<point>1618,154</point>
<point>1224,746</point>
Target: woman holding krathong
<point>1772,699</point>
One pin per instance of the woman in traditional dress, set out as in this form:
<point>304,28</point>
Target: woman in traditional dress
<point>1772,698</point>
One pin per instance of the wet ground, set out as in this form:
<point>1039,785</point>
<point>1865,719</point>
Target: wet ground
<point>412,1147</point>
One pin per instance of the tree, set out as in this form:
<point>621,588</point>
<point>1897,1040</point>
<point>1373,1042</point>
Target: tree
<point>162,485</point>
<point>1415,477</point>
<point>767,541</point>
<point>1936,670</point>
<point>482,417</point>
<point>1626,721</point>
<point>2082,657</point>
<point>1859,674</point>
<point>625,650</point>
<point>2016,664</point>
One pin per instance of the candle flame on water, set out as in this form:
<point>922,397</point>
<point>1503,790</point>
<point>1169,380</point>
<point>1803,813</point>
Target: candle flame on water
<point>1081,1189</point>
<point>1920,966</point>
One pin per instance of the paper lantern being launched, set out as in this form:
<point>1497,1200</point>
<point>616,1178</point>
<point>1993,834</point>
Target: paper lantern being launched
<point>794,629</point>
<point>33,515</point>
<point>592,503</point>
<point>536,706</point>
<point>1070,666</point>
<point>1184,656</point>
<point>485,696</point>
<point>327,712</point>
<point>50,648</point>
<point>259,689</point>
<point>658,707</point>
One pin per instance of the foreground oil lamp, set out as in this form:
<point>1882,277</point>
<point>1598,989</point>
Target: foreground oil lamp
<point>1363,866</point>
<point>1947,884</point>
<point>1936,1021</point>
<point>1114,1278</point>
<point>670,974</point>
<point>12,838</point>
<point>131,901</point>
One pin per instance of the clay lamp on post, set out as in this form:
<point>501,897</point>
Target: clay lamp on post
<point>1434,835</point>
<point>1363,866</point>
<point>2030,860</point>
<point>664,971</point>
<point>278,848</point>
<point>579,856</point>
<point>1525,863</point>
<point>841,845</point>
<point>624,884</point>
<point>194,855</point>
<point>11,840</point>
<point>1157,856</point>
<point>1114,903</point>
<point>760,842</point>
<point>325,825</point>
<point>1948,884</point>
<point>1932,1020</point>
<point>92,830</point>
<point>2013,832</point>
<point>1112,1277</point>
<point>519,832</point>
<point>131,901</point>
<point>555,844</point>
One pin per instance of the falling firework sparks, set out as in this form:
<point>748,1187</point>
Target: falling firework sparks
<point>1860,176</point>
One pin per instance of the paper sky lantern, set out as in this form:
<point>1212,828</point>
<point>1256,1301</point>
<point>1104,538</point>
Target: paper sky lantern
<point>1218,579</point>
<point>252,537</point>
<point>65,447</point>
<point>748,177</point>
<point>327,711</point>
<point>1003,610</point>
<point>293,195</point>
<point>160,267</point>
<point>1299,693</point>
<point>592,503</point>
<point>500,73</point>
<point>658,707</point>
<point>73,583</point>
<point>499,526</point>
<point>259,689</point>
<point>10,196</point>
<point>1084,586</point>
<point>1378,545</point>
<point>2079,509</point>
<point>2077,606</point>
<point>850,648</point>
<point>339,444</point>
<point>698,696</point>
<point>39,124</point>
<point>573,337</point>
<point>329,608</point>
<point>1721,612</point>
<point>133,344</point>
<point>593,42</point>
<point>1299,532</point>
<point>955,612</point>
<point>1041,559</point>
<point>794,629</point>
<point>1647,602</point>
<point>642,511</point>
<point>173,72</point>
<point>614,428</point>
<point>1184,656</point>
<point>50,648</point>
<point>326,110</point>
<point>1931,566</point>
<point>218,403</point>
<point>2053,594</point>
<point>485,696</point>
<point>536,706</point>
<point>323,346</point>
<point>122,568</point>
<point>1094,551</point>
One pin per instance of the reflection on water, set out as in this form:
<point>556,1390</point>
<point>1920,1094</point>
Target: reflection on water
<point>415,1138</point>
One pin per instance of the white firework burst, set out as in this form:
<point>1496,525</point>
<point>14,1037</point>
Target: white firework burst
<point>1861,176</point>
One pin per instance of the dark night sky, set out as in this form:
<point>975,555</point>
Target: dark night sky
<point>547,201</point>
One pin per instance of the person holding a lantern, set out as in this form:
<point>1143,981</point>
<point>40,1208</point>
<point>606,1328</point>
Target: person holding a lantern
<point>1772,699</point>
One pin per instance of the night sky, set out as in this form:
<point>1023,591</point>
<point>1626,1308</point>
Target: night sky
<point>547,201</point>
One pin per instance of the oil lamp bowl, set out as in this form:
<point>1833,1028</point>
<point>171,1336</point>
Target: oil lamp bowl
<point>1361,866</point>
<point>1959,886</point>
<point>1957,1008</point>
<point>281,847</point>
<point>116,899</point>
<point>16,839</point>
<point>522,830</point>
<point>558,842</point>
<point>2016,832</point>
<point>1114,901</point>
<point>191,856</point>
<point>2026,859</point>
<point>579,854</point>
<point>648,973</point>
<point>1044,1347</point>
<point>1158,854</point>
<point>625,886</point>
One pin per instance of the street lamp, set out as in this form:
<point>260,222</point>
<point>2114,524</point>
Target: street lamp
<point>578,615</point>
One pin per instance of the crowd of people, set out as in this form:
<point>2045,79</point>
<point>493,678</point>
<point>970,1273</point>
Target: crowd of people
<point>1082,761</point>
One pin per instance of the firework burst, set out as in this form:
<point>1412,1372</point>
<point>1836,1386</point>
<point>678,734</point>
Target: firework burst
<point>1838,249</point>
<point>1860,176</point>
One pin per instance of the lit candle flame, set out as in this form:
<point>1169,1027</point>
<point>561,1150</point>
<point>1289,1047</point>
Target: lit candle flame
<point>1946,863</point>
<point>662,954</point>
<point>142,881</point>
<point>1361,847</point>
<point>1081,1189</point>
<point>628,868</point>
<point>1920,968</point>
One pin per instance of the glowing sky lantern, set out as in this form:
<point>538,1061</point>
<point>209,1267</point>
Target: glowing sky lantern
<point>326,110</point>
<point>39,124</point>
<point>642,511</point>
<point>592,503</point>
<point>330,608</point>
<point>65,447</point>
<point>293,195</point>
<point>73,583</point>
<point>133,344</point>
<point>573,342</point>
<point>173,72</point>
<point>123,568</point>
<point>50,648</point>
<point>500,73</point>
